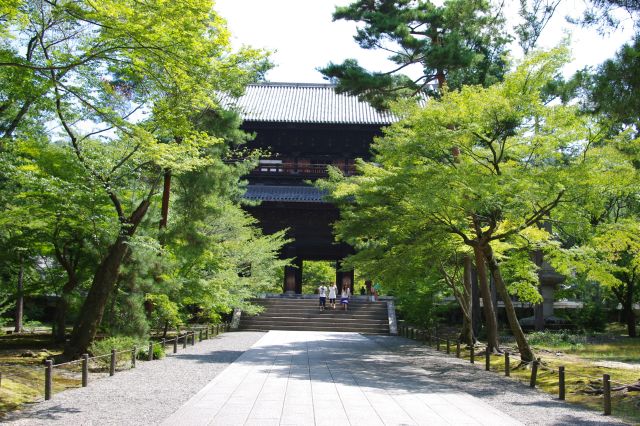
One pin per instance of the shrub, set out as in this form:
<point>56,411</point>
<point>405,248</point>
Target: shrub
<point>561,338</point>
<point>143,353</point>
<point>119,343</point>
<point>592,317</point>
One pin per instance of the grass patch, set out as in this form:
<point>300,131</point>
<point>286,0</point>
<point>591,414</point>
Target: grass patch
<point>23,376</point>
<point>598,347</point>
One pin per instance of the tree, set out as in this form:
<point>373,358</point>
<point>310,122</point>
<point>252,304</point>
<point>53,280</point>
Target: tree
<point>605,14</point>
<point>612,90</point>
<point>459,42</point>
<point>535,15</point>
<point>599,231</point>
<point>49,203</point>
<point>518,160</point>
<point>96,70</point>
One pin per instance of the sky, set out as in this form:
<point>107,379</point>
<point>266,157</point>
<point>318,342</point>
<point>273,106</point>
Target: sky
<point>302,36</point>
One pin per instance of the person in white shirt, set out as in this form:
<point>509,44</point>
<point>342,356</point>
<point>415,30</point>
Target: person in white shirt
<point>333,290</point>
<point>322,292</point>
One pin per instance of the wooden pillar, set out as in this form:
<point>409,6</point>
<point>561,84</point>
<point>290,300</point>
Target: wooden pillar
<point>289,280</point>
<point>347,279</point>
<point>339,275</point>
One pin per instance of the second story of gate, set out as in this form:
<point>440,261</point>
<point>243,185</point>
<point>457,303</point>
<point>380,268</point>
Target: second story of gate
<point>305,128</point>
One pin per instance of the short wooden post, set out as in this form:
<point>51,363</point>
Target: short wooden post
<point>472,354</point>
<point>193,338</point>
<point>206,333</point>
<point>134,355</point>
<point>448,346</point>
<point>150,354</point>
<point>112,365</point>
<point>184,342</point>
<point>507,364</point>
<point>487,359</point>
<point>413,333</point>
<point>606,393</point>
<point>164,343</point>
<point>217,329</point>
<point>534,374</point>
<point>85,370</point>
<point>48,379</point>
<point>200,336</point>
<point>438,343</point>
<point>458,349</point>
<point>175,344</point>
<point>561,383</point>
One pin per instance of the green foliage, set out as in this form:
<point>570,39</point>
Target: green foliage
<point>125,315</point>
<point>119,343</point>
<point>458,42</point>
<point>592,317</point>
<point>612,89</point>
<point>421,307</point>
<point>316,273</point>
<point>163,311</point>
<point>158,352</point>
<point>410,210</point>
<point>565,339</point>
<point>129,88</point>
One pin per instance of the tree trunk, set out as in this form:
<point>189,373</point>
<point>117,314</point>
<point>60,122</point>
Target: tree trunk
<point>466,334</point>
<point>488,309</point>
<point>166,192</point>
<point>20,299</point>
<point>62,306</point>
<point>166,329</point>
<point>92,310</point>
<point>525,350</point>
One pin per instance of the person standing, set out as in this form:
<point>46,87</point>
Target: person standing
<point>344,297</point>
<point>322,292</point>
<point>333,291</point>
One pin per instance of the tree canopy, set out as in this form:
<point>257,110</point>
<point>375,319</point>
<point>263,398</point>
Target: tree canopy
<point>459,42</point>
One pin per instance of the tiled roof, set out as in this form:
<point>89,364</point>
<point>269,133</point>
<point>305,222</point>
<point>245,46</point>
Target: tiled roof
<point>304,103</point>
<point>300,194</point>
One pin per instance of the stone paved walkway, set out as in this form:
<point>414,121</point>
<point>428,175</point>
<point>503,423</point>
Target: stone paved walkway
<point>322,378</point>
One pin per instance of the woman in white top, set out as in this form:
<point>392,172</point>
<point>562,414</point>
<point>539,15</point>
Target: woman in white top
<point>333,290</point>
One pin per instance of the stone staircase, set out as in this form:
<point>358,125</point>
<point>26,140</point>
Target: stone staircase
<point>303,314</point>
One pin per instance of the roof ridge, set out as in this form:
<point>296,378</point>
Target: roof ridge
<point>291,84</point>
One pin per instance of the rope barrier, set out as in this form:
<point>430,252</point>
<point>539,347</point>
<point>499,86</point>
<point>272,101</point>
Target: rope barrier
<point>430,337</point>
<point>66,363</point>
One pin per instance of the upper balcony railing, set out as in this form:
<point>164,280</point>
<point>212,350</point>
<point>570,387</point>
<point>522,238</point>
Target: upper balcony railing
<point>302,170</point>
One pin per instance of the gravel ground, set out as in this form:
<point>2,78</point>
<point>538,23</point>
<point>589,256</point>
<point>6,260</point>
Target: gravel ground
<point>516,399</point>
<point>142,396</point>
<point>154,390</point>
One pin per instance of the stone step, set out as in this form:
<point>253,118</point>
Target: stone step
<point>318,315</point>
<point>347,321</point>
<point>354,329</point>
<point>316,310</point>
<point>299,302</point>
<point>303,314</point>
